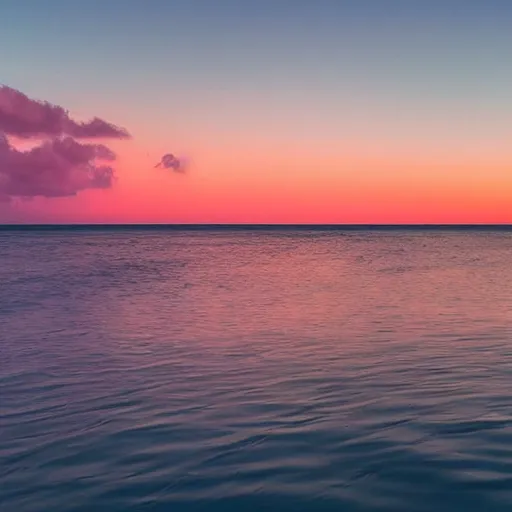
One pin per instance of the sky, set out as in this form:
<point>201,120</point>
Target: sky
<point>279,111</point>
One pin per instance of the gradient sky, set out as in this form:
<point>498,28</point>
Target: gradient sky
<point>367,111</point>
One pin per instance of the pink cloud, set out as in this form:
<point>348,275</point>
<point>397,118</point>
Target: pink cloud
<point>59,165</point>
<point>24,117</point>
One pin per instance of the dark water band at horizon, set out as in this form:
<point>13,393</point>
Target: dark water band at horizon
<point>296,370</point>
<point>260,227</point>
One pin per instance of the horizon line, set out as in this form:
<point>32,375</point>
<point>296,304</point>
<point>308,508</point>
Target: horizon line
<point>184,226</point>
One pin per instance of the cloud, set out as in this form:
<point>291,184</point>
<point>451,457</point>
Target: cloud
<point>25,118</point>
<point>58,165</point>
<point>169,161</point>
<point>55,168</point>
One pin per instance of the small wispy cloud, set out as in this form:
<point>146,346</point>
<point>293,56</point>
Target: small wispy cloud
<point>169,161</point>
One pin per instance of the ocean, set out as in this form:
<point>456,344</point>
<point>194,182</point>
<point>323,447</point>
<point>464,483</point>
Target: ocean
<point>277,369</point>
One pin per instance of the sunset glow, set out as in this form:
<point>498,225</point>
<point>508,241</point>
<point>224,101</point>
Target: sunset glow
<point>341,113</point>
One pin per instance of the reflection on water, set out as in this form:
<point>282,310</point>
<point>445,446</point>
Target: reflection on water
<point>148,370</point>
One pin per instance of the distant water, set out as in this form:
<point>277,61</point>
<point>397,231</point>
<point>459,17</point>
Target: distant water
<point>294,370</point>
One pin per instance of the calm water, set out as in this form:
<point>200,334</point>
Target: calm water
<point>247,371</point>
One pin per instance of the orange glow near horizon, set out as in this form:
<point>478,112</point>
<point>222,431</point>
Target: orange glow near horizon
<point>245,188</point>
<point>262,178</point>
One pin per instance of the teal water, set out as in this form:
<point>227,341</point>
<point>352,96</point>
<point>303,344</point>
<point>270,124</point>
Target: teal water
<point>290,370</point>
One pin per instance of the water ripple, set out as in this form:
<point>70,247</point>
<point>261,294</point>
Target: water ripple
<point>230,371</point>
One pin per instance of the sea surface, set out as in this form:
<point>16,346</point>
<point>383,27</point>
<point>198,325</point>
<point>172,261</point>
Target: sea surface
<point>247,370</point>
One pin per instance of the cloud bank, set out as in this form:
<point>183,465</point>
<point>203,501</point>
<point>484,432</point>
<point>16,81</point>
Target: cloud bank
<point>23,117</point>
<point>58,165</point>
